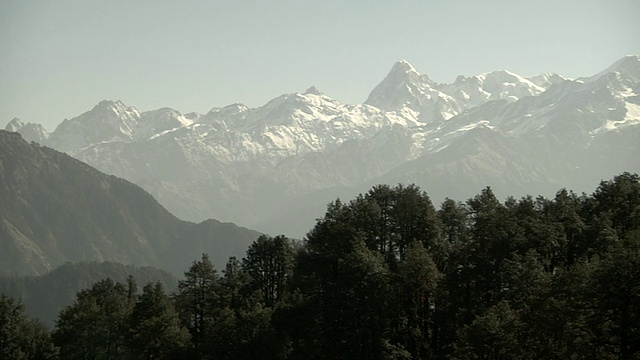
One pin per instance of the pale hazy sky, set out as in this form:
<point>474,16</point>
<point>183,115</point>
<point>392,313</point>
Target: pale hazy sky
<point>59,58</point>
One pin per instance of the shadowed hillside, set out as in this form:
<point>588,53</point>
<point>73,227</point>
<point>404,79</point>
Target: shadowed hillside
<point>55,209</point>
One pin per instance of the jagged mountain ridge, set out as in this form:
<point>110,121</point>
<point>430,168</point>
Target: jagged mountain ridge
<point>29,131</point>
<point>54,209</point>
<point>299,151</point>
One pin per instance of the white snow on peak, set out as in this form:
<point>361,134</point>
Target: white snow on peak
<point>545,80</point>
<point>296,124</point>
<point>230,110</point>
<point>161,121</point>
<point>403,67</point>
<point>109,108</point>
<point>306,143</point>
<point>403,87</point>
<point>14,125</point>
<point>507,85</point>
<point>29,131</point>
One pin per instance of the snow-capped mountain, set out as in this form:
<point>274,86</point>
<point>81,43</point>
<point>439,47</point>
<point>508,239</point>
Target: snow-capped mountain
<point>275,167</point>
<point>29,131</point>
<point>405,89</point>
<point>108,121</point>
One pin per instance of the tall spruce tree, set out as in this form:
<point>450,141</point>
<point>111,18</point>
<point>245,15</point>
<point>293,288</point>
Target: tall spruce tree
<point>197,300</point>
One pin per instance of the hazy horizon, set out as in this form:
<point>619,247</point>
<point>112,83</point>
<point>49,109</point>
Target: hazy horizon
<point>59,59</point>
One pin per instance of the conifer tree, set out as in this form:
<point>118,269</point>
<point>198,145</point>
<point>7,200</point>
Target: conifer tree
<point>20,337</point>
<point>155,331</point>
<point>96,325</point>
<point>269,262</point>
<point>197,299</point>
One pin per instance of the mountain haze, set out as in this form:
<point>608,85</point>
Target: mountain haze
<point>54,209</point>
<point>275,167</point>
<point>45,295</point>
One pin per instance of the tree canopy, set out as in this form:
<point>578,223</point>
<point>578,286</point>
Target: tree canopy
<point>386,275</point>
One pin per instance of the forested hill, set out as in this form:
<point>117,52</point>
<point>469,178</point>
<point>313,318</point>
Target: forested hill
<point>389,276</point>
<point>46,295</point>
<point>55,209</point>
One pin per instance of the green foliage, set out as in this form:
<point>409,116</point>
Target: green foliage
<point>618,201</point>
<point>46,295</point>
<point>269,262</point>
<point>21,338</point>
<point>492,335</point>
<point>417,296</point>
<point>613,314</point>
<point>96,325</point>
<point>197,299</point>
<point>155,331</point>
<point>386,276</point>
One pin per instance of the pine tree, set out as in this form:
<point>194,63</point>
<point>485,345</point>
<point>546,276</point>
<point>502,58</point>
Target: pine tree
<point>21,338</point>
<point>418,280</point>
<point>197,300</point>
<point>269,262</point>
<point>492,336</point>
<point>155,331</point>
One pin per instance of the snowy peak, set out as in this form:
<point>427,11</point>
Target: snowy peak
<point>628,67</point>
<point>402,69</point>
<point>405,88</point>
<point>295,110</point>
<point>546,80</point>
<point>116,111</point>
<point>159,122</point>
<point>14,125</point>
<point>108,121</point>
<point>497,85</point>
<point>312,91</point>
<point>230,110</point>
<point>246,164</point>
<point>507,85</point>
<point>109,105</point>
<point>29,131</point>
<point>114,121</point>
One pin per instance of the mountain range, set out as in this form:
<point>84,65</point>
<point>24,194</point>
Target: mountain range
<point>55,209</point>
<point>275,167</point>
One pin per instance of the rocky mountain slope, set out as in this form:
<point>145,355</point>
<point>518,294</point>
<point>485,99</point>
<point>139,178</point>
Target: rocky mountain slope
<point>275,167</point>
<point>54,209</point>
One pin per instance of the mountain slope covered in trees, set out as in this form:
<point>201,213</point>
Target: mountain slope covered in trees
<point>45,295</point>
<point>54,209</point>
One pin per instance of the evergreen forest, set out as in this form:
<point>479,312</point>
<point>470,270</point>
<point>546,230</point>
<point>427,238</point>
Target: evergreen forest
<point>386,275</point>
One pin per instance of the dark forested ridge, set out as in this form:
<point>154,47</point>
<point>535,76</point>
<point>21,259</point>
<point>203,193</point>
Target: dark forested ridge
<point>45,295</point>
<point>54,209</point>
<point>387,276</point>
